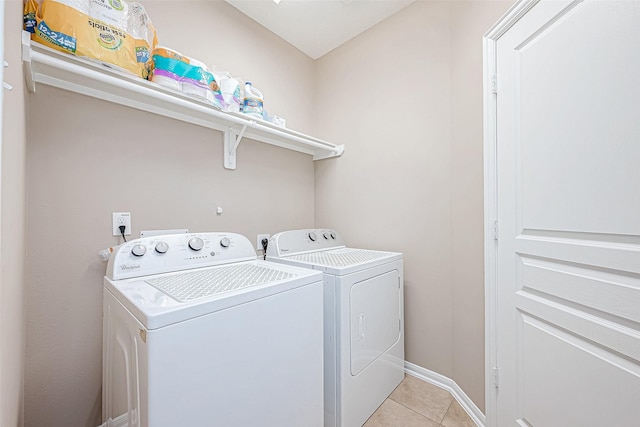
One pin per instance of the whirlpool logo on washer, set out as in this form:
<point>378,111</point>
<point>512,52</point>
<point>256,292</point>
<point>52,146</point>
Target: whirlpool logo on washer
<point>129,267</point>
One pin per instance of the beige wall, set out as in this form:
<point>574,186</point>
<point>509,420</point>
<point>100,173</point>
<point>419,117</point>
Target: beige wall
<point>12,227</point>
<point>387,97</point>
<point>88,158</point>
<point>406,97</point>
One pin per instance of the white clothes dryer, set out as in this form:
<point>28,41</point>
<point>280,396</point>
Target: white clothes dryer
<point>363,320</point>
<point>198,332</point>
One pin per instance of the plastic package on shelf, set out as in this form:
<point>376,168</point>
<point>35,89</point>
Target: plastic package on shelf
<point>231,91</point>
<point>278,121</point>
<point>114,32</point>
<point>188,75</point>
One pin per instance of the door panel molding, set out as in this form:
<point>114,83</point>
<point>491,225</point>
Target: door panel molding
<point>562,361</point>
<point>588,287</point>
<point>620,257</point>
<point>611,336</point>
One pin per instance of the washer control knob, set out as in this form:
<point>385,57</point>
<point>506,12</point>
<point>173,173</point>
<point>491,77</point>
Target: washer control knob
<point>225,242</point>
<point>196,243</point>
<point>139,250</point>
<point>333,235</point>
<point>313,236</point>
<point>162,247</point>
<point>326,236</point>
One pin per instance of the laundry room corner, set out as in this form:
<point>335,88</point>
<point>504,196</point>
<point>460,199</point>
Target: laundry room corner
<point>411,179</point>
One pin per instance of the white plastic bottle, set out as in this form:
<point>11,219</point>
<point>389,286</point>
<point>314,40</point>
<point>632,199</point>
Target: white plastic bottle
<point>253,101</point>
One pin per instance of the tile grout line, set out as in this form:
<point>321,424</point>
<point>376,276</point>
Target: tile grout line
<point>447,411</point>
<point>422,415</point>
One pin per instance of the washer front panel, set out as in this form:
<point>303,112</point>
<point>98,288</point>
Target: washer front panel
<point>192,285</point>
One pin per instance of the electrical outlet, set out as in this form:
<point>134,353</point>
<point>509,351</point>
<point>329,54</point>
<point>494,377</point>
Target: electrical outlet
<point>121,218</point>
<point>259,240</point>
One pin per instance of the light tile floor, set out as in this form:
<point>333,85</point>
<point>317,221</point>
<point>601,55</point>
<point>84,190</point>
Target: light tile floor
<point>415,403</point>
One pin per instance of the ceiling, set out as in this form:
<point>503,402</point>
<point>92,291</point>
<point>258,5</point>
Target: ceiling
<point>316,27</point>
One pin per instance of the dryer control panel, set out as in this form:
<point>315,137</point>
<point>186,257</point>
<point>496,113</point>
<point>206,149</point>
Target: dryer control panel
<point>175,252</point>
<point>300,241</point>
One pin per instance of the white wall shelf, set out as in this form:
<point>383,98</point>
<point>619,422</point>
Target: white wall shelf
<point>47,66</point>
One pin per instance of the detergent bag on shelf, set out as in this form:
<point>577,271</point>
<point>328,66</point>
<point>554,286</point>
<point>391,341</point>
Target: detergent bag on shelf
<point>111,31</point>
<point>30,10</point>
<point>185,74</point>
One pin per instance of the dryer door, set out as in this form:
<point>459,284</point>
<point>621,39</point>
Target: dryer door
<point>375,318</point>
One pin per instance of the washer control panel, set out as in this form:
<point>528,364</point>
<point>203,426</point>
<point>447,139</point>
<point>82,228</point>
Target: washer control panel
<point>300,241</point>
<point>175,252</point>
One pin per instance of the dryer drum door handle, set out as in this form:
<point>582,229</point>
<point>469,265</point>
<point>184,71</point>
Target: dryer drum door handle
<point>361,328</point>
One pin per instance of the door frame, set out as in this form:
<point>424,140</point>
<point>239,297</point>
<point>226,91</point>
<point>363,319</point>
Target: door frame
<point>2,30</point>
<point>491,231</point>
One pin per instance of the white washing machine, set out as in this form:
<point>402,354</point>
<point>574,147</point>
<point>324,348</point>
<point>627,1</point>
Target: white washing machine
<point>363,320</point>
<point>198,332</point>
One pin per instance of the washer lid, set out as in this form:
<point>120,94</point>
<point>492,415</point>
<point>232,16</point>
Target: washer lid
<point>340,257</point>
<point>203,283</point>
<point>341,261</point>
<point>164,299</point>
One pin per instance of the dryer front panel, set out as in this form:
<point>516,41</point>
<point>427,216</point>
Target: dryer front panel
<point>375,318</point>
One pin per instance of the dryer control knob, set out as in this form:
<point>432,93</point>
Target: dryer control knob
<point>196,243</point>
<point>162,247</point>
<point>333,235</point>
<point>225,242</point>
<point>139,250</point>
<point>326,236</point>
<point>313,236</point>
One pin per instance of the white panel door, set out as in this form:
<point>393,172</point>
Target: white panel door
<point>568,216</point>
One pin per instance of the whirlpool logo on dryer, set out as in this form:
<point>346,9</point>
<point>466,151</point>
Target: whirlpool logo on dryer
<point>129,267</point>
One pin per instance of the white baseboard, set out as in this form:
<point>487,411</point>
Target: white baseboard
<point>417,371</point>
<point>448,384</point>
<point>121,421</point>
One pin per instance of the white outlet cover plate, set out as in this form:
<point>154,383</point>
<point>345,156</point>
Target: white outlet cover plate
<point>121,218</point>
<point>259,240</point>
